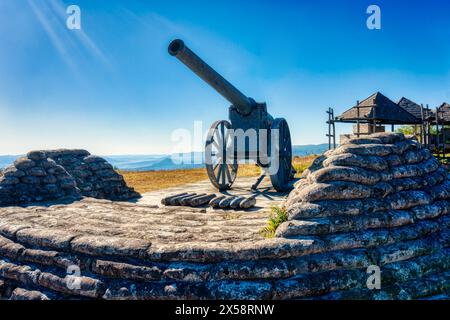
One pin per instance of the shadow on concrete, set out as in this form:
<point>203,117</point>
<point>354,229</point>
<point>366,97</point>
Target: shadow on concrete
<point>267,192</point>
<point>46,204</point>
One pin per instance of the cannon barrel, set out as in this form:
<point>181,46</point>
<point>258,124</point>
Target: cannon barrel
<point>244,104</point>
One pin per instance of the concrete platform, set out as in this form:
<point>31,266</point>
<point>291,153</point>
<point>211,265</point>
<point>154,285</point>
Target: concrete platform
<point>266,196</point>
<point>148,220</point>
<point>142,250</point>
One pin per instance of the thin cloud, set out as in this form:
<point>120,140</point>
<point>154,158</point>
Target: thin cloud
<point>55,38</point>
<point>86,42</point>
<point>69,44</point>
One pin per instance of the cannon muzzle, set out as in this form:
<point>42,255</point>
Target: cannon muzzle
<point>244,104</point>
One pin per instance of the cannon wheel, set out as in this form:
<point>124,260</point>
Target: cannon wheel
<point>280,179</point>
<point>221,172</point>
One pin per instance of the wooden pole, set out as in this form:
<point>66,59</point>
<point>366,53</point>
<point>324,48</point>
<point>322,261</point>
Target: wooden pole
<point>444,144</point>
<point>374,117</point>
<point>421,124</point>
<point>438,143</point>
<point>357,117</point>
<point>428,129</point>
<point>329,129</point>
<point>334,128</point>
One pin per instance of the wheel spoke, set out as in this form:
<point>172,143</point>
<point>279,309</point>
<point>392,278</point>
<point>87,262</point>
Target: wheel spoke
<point>219,173</point>
<point>227,170</point>
<point>233,171</point>
<point>228,137</point>
<point>218,145</point>
<point>224,176</point>
<point>217,138</point>
<point>215,144</point>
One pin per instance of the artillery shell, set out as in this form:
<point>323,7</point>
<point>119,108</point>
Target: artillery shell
<point>225,203</point>
<point>201,200</point>
<point>214,203</point>
<point>165,201</point>
<point>187,200</point>
<point>248,203</point>
<point>176,201</point>
<point>236,202</point>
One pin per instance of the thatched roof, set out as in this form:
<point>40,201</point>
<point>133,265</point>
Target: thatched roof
<point>414,108</point>
<point>444,113</point>
<point>378,108</point>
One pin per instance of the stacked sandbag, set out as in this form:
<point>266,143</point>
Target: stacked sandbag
<point>43,176</point>
<point>383,193</point>
<point>95,177</point>
<point>36,178</point>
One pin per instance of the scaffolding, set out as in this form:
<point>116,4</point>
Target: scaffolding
<point>331,129</point>
<point>431,127</point>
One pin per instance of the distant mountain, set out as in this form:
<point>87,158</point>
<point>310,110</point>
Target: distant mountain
<point>131,162</point>
<point>167,162</point>
<point>157,162</point>
<point>7,160</point>
<point>309,149</point>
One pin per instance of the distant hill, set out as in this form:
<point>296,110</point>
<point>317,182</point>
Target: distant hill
<point>7,160</point>
<point>164,162</point>
<point>309,149</point>
<point>153,163</point>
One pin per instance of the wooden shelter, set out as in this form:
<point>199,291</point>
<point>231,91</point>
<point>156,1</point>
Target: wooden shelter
<point>378,109</point>
<point>418,111</point>
<point>371,114</point>
<point>424,115</point>
<point>440,142</point>
<point>444,114</point>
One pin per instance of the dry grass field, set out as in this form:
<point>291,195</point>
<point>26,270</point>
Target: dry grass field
<point>146,181</point>
<point>302,163</point>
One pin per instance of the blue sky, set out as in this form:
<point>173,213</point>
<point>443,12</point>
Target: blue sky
<point>112,88</point>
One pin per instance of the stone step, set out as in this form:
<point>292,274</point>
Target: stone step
<point>23,294</point>
<point>317,284</point>
<point>431,286</point>
<point>31,277</point>
<point>342,205</point>
<point>305,276</point>
<point>201,251</point>
<point>347,223</point>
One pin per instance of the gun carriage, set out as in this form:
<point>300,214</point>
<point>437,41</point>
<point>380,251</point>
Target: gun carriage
<point>250,134</point>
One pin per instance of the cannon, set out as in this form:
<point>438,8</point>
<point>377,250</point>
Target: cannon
<point>250,134</point>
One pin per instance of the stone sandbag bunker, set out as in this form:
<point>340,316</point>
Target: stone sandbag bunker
<point>64,175</point>
<point>386,205</point>
<point>384,193</point>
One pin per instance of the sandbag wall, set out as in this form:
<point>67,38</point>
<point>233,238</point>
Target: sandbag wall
<point>383,193</point>
<point>337,230</point>
<point>63,175</point>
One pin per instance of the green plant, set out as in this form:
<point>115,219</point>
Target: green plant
<point>407,130</point>
<point>277,217</point>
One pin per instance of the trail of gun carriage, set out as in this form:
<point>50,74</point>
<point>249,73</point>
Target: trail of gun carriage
<point>71,226</point>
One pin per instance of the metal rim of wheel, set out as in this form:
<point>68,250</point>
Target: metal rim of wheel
<point>280,180</point>
<point>221,169</point>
